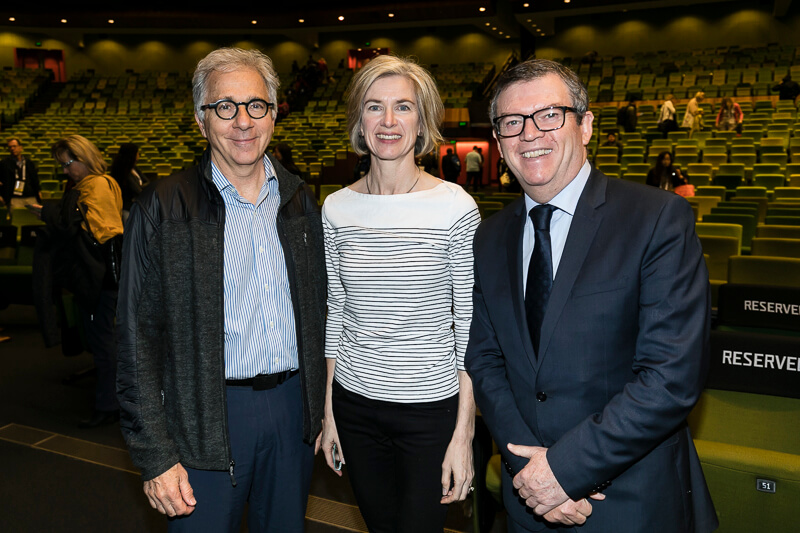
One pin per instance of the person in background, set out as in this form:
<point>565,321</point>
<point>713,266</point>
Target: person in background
<point>666,116</point>
<point>19,177</point>
<point>398,243</point>
<point>730,116</point>
<point>473,162</point>
<point>283,153</point>
<point>628,116</point>
<point>84,230</point>
<point>611,140</point>
<point>693,110</point>
<point>787,89</point>
<point>665,175</point>
<point>451,166</point>
<point>221,378</point>
<point>589,342</point>
<point>430,164</point>
<point>131,180</point>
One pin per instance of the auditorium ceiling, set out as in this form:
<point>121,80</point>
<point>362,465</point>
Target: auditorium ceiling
<point>315,15</point>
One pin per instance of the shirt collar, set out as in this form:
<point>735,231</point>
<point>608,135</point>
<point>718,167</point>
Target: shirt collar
<point>567,199</point>
<point>222,182</point>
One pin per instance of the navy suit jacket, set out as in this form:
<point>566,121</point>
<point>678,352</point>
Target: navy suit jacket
<point>622,360</point>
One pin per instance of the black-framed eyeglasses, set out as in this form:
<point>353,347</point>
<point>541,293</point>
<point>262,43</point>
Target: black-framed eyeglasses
<point>547,119</point>
<point>67,164</point>
<point>227,109</point>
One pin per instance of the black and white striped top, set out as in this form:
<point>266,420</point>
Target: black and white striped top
<point>399,290</point>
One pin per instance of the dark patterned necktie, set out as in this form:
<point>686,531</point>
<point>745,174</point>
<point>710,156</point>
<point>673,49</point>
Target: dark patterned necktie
<point>540,272</point>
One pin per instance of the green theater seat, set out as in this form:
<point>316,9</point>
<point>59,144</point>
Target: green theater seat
<point>740,439</point>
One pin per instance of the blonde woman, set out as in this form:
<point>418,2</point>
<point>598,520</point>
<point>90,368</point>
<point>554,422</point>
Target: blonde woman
<point>85,228</point>
<point>398,242</point>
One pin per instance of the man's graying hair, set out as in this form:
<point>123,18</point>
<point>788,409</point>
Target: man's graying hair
<point>230,60</point>
<point>534,69</point>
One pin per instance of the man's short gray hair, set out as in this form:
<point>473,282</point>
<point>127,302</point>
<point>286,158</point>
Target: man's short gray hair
<point>534,69</point>
<point>230,60</point>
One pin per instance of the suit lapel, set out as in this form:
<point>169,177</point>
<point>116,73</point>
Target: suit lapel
<point>582,230</point>
<point>514,249</point>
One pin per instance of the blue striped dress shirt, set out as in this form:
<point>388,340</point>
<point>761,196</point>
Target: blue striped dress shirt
<point>260,336</point>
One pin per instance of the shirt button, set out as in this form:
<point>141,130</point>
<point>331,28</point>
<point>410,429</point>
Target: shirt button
<point>541,396</point>
<point>261,249</point>
<point>266,287</point>
<point>272,324</point>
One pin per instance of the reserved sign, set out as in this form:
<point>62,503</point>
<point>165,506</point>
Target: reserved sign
<point>755,363</point>
<point>759,306</point>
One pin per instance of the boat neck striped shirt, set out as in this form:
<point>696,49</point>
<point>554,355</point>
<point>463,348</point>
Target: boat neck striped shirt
<point>400,279</point>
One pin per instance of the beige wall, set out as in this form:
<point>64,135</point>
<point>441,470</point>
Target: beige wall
<point>442,45</point>
<point>708,26</point>
<point>113,53</point>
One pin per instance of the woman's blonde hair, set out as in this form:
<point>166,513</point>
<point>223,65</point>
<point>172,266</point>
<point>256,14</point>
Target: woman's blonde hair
<point>429,103</point>
<point>81,149</point>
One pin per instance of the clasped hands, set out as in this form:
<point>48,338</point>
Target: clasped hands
<point>542,492</point>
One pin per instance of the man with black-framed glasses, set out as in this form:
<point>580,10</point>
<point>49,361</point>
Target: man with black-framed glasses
<point>221,313</point>
<point>589,338</point>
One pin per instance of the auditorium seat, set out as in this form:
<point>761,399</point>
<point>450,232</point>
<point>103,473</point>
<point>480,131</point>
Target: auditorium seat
<point>711,190</point>
<point>786,192</point>
<point>759,202</point>
<point>748,223</point>
<point>703,203</point>
<point>718,249</point>
<point>762,270</point>
<point>716,229</point>
<point>742,437</point>
<point>778,231</point>
<point>763,246</point>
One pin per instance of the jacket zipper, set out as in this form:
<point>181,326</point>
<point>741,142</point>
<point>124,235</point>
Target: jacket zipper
<point>225,429</point>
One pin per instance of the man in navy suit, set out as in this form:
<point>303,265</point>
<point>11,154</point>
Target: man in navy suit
<point>585,370</point>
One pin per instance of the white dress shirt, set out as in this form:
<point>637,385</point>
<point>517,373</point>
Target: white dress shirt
<point>565,201</point>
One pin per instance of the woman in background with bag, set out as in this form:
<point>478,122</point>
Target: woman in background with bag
<point>84,231</point>
<point>667,176</point>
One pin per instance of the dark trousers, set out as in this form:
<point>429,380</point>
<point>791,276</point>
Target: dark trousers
<point>516,527</point>
<point>273,467</point>
<point>394,455</point>
<point>98,325</point>
<point>475,179</point>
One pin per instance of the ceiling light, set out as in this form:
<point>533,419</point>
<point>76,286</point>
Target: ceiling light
<point>481,9</point>
<point>391,15</point>
<point>528,20</point>
<point>253,22</point>
<point>11,19</point>
<point>500,33</point>
<point>526,5</point>
<point>494,28</point>
<point>111,21</point>
<point>488,23</point>
<point>341,17</point>
<point>508,37</point>
<point>566,1</point>
<point>534,25</point>
<point>63,21</point>
<point>301,20</point>
<point>543,32</point>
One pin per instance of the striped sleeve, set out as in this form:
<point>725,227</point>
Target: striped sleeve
<point>461,273</point>
<point>336,296</point>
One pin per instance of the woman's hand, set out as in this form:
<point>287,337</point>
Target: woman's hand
<point>326,440</point>
<point>457,470</point>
